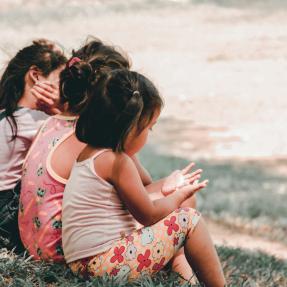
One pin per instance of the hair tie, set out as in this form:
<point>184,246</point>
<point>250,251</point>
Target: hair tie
<point>136,93</point>
<point>73,61</point>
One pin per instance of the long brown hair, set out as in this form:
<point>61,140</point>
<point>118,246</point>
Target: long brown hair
<point>44,55</point>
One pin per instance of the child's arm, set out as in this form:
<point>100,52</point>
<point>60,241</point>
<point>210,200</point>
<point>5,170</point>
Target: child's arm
<point>127,182</point>
<point>167,184</point>
<point>144,175</point>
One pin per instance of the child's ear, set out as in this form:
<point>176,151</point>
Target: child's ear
<point>34,74</point>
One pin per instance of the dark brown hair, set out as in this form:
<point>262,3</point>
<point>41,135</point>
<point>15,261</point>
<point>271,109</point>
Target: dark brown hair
<point>120,100</point>
<point>44,55</point>
<point>75,79</point>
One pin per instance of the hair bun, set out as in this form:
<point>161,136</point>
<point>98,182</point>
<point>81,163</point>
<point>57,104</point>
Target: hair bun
<point>81,71</point>
<point>75,79</point>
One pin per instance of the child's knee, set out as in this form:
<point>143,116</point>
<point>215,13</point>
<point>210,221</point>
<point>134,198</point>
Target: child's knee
<point>188,217</point>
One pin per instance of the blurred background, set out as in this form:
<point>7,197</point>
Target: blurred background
<point>221,67</point>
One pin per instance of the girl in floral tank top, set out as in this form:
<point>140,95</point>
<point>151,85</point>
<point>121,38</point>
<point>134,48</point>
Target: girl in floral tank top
<point>42,190</point>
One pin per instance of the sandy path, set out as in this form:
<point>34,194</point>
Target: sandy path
<point>224,236</point>
<point>222,70</point>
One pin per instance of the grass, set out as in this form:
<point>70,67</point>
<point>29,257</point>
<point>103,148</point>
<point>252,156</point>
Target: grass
<point>241,268</point>
<point>231,185</point>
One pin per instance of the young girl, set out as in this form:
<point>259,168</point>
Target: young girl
<point>105,195</point>
<point>37,64</point>
<point>50,159</point>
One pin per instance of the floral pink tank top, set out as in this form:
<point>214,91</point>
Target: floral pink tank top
<point>42,190</point>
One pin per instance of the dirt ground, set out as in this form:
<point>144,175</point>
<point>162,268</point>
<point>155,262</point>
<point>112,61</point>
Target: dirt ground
<point>222,235</point>
<point>221,70</point>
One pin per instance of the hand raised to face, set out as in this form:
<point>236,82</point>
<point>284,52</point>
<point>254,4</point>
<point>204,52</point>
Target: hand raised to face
<point>47,96</point>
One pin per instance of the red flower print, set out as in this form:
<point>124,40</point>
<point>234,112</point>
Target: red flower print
<point>118,254</point>
<point>115,272</point>
<point>158,266</point>
<point>143,260</point>
<point>84,261</point>
<point>175,241</point>
<point>171,225</point>
<point>83,268</point>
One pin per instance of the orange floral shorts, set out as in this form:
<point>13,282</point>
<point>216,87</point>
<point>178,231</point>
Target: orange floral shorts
<point>143,252</point>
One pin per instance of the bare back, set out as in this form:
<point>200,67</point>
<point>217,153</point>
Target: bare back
<point>65,154</point>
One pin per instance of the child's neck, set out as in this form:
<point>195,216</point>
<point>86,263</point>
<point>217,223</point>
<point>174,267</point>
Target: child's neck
<point>66,112</point>
<point>27,100</point>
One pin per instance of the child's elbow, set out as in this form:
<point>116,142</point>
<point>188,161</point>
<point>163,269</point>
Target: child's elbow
<point>146,220</point>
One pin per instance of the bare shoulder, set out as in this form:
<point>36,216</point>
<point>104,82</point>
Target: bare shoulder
<point>122,161</point>
<point>110,163</point>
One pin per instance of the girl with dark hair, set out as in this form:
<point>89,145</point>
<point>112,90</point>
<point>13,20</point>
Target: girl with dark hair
<point>29,82</point>
<point>105,195</point>
<point>50,159</point>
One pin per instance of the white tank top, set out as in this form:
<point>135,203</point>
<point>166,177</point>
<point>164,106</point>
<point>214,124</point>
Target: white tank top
<point>12,153</point>
<point>93,215</point>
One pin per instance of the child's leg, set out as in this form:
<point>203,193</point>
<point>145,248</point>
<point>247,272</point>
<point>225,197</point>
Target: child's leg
<point>203,258</point>
<point>179,262</point>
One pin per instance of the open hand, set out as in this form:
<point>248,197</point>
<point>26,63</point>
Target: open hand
<point>180,178</point>
<point>190,189</point>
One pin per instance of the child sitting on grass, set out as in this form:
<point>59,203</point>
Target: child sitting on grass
<point>37,64</point>
<point>105,195</point>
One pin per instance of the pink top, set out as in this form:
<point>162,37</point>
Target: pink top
<point>40,213</point>
<point>94,216</point>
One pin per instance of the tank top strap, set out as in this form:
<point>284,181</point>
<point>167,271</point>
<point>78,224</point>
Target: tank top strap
<point>99,153</point>
<point>92,167</point>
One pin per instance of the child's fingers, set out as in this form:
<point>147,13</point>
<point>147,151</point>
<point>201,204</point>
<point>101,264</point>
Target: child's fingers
<point>191,189</point>
<point>192,179</point>
<point>199,186</point>
<point>189,175</point>
<point>48,85</point>
<point>39,97</point>
<point>46,93</point>
<point>45,85</point>
<point>187,168</point>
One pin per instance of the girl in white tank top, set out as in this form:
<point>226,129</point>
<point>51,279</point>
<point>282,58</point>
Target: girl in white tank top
<point>30,78</point>
<point>104,195</point>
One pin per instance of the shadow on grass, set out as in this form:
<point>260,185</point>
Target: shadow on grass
<point>235,188</point>
<point>246,194</point>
